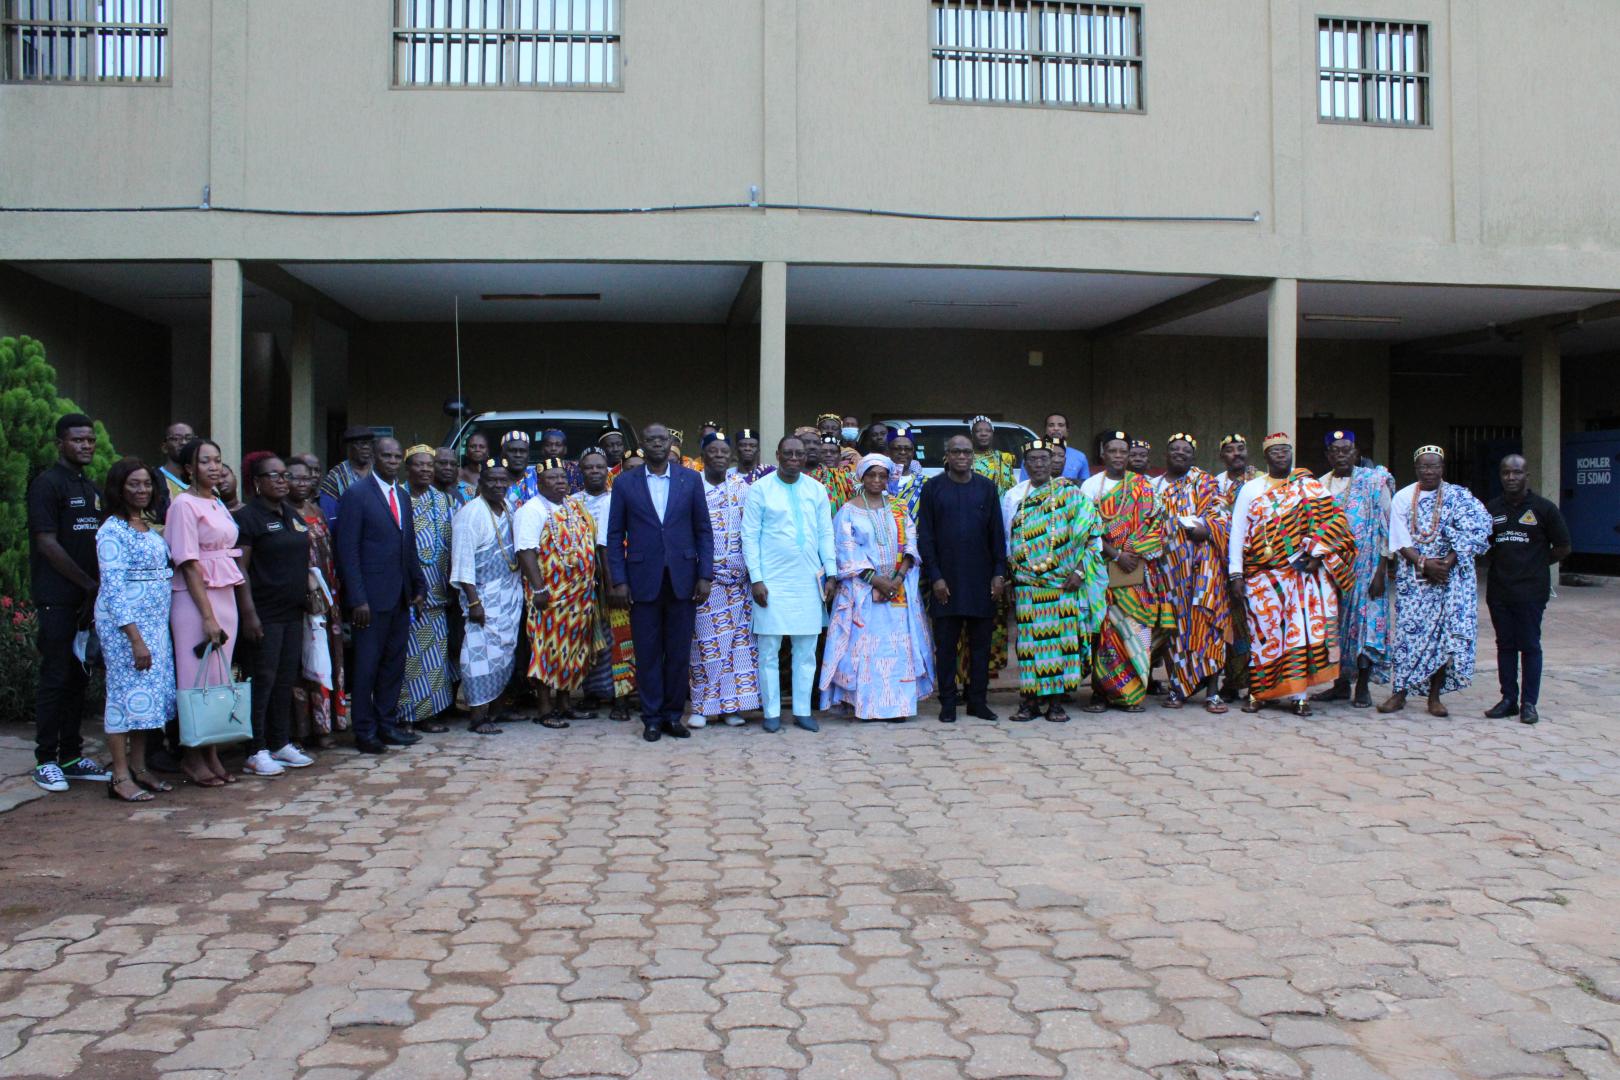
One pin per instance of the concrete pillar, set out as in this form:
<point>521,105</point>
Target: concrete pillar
<point>1282,360</point>
<point>301,375</point>
<point>1543,413</point>
<point>225,360</point>
<point>772,357</point>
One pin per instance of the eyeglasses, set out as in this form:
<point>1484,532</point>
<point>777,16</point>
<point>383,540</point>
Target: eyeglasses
<point>272,476</point>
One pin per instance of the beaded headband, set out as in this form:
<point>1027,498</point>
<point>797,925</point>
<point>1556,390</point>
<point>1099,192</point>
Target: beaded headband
<point>1235,437</point>
<point>493,463</point>
<point>745,433</point>
<point>1276,438</point>
<point>1182,436</point>
<point>829,416</point>
<point>1141,444</point>
<point>1335,436</point>
<point>980,419</point>
<point>1040,444</point>
<point>515,436</point>
<point>597,450</point>
<point>552,463</point>
<point>1437,451</point>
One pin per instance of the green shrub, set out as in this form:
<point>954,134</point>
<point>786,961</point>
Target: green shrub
<point>29,407</point>
<point>19,663</point>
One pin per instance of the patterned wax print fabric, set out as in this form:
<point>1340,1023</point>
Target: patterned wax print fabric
<point>998,467</point>
<point>317,709</point>
<point>523,489</point>
<point>752,474</point>
<point>839,482</point>
<point>908,489</point>
<point>1124,655</point>
<point>482,555</point>
<point>1293,617</point>
<point>613,671</point>
<point>465,492</point>
<point>1191,579</point>
<point>1229,488</point>
<point>725,660</point>
<point>562,634</point>
<point>426,691</point>
<point>1363,621</point>
<point>1054,533</point>
<point>1436,625</point>
<point>134,568</point>
<point>338,479</point>
<point>879,654</point>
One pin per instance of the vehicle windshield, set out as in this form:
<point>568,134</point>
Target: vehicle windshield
<point>931,440</point>
<point>582,433</point>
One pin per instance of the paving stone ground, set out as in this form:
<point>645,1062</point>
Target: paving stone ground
<point>1171,895</point>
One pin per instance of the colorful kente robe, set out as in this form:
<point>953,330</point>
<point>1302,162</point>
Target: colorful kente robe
<point>998,467</point>
<point>879,653</point>
<point>1293,617</point>
<point>1363,621</point>
<point>752,474</point>
<point>1190,577</point>
<point>725,661</point>
<point>840,485</point>
<point>1436,625</point>
<point>613,672</point>
<point>908,489</point>
<point>562,635</point>
<point>1237,652</point>
<point>426,692</point>
<point>1056,532</point>
<point>1124,655</point>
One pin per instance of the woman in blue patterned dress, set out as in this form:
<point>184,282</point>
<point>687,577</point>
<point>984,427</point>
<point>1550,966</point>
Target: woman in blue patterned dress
<point>132,621</point>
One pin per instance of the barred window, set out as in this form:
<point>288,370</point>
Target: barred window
<point>1373,72</point>
<point>526,44</point>
<point>1038,52</point>
<point>85,41</point>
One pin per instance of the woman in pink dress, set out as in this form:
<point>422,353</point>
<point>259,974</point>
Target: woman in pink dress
<point>202,544</point>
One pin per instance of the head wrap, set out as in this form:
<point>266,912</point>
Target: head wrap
<point>828,416</point>
<point>552,463</point>
<point>515,436</point>
<point>1040,444</point>
<point>1235,437</point>
<point>974,422</point>
<point>1141,444</point>
<point>902,432</point>
<point>1277,438</point>
<point>1438,451</point>
<point>870,460</point>
<point>554,433</point>
<point>420,448</point>
<point>713,437</point>
<point>744,433</point>
<point>1334,436</point>
<point>1182,436</point>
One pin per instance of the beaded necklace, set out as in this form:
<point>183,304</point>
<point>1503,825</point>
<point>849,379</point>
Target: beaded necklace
<point>1421,536</point>
<point>495,526</point>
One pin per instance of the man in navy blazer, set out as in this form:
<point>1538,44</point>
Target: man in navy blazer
<point>381,579</point>
<point>660,552</point>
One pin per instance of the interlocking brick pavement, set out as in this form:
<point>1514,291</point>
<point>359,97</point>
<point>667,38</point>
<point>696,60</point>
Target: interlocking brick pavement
<point>1170,895</point>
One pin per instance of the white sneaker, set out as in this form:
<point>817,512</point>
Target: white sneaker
<point>292,757</point>
<point>733,720</point>
<point>697,721</point>
<point>262,764</point>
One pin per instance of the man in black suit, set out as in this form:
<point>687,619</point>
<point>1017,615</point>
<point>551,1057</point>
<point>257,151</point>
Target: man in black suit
<point>660,552</point>
<point>381,579</point>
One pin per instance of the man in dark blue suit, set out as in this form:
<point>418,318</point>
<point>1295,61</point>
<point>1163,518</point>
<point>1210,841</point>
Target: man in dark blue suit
<point>382,580</point>
<point>660,552</point>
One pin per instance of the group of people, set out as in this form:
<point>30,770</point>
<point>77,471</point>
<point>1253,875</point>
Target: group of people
<point>407,583</point>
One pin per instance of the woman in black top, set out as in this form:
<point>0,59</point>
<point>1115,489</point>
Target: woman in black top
<point>275,557</point>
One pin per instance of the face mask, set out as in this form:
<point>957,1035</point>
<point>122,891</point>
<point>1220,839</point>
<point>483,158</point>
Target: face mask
<point>849,434</point>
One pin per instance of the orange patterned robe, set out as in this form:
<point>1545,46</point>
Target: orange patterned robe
<point>563,635</point>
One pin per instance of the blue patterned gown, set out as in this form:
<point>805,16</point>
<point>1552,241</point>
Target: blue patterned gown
<point>425,693</point>
<point>1436,625</point>
<point>1363,621</point>
<point>135,577</point>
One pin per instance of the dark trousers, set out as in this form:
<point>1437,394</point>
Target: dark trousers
<point>379,671</point>
<point>1518,640</point>
<point>947,629</point>
<point>661,630</point>
<point>59,704</point>
<point>275,665</point>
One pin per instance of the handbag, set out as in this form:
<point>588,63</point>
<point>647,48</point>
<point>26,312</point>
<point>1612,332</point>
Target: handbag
<point>1119,577</point>
<point>317,659</point>
<point>212,715</point>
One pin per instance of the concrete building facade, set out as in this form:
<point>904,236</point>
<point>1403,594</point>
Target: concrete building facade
<point>767,208</point>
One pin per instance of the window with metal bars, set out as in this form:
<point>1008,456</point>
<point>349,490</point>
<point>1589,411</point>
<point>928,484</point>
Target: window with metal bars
<point>85,41</point>
<point>513,44</point>
<point>1371,71</point>
<point>1053,53</point>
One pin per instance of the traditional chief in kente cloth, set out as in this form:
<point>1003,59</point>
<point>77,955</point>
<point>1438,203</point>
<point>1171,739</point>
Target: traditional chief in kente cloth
<point>1191,574</point>
<point>555,538</point>
<point>1290,556</point>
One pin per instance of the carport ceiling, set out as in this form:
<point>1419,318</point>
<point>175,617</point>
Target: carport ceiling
<point>1417,311</point>
<point>972,299</point>
<point>538,292</point>
<point>170,293</point>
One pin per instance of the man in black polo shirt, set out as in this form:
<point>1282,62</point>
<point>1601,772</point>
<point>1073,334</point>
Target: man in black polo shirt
<point>1528,536</point>
<point>64,512</point>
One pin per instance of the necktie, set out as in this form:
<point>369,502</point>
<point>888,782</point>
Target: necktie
<point>393,504</point>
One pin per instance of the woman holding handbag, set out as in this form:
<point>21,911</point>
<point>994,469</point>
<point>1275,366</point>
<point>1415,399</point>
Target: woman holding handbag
<point>132,621</point>
<point>202,544</point>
